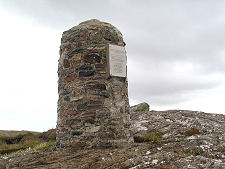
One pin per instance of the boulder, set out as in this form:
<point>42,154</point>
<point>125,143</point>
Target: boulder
<point>140,107</point>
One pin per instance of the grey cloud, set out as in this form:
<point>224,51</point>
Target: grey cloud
<point>168,89</point>
<point>204,46</point>
<point>163,85</point>
<point>187,31</point>
<point>159,35</point>
<point>60,14</point>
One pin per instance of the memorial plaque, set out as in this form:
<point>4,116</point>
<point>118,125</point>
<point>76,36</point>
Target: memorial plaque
<point>117,61</point>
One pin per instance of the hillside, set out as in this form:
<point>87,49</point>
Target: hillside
<point>163,139</point>
<point>18,142</point>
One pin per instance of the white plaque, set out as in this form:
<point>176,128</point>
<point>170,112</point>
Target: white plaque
<point>117,61</point>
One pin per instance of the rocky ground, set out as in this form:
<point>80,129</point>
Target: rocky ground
<point>164,139</point>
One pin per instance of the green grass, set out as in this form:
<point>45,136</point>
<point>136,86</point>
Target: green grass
<point>10,144</point>
<point>11,133</point>
<point>45,146</point>
<point>151,137</point>
<point>15,142</point>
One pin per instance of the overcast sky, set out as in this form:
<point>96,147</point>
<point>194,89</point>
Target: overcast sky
<point>175,50</point>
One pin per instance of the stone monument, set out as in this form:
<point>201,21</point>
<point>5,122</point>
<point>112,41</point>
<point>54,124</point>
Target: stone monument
<point>93,105</point>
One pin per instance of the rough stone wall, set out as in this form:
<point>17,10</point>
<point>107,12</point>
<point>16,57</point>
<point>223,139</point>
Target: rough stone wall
<point>93,109</point>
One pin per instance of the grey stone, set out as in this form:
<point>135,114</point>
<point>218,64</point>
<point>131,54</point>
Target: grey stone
<point>86,73</point>
<point>140,107</point>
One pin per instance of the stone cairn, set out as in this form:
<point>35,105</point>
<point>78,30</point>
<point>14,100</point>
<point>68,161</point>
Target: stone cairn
<point>93,107</point>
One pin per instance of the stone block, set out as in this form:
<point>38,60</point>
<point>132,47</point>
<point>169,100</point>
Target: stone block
<point>67,98</point>
<point>70,78</point>
<point>86,73</point>
<point>104,94</point>
<point>75,52</point>
<point>76,98</point>
<point>77,56</point>
<point>69,112</point>
<point>99,67</point>
<point>66,63</point>
<point>93,129</point>
<point>82,106</point>
<point>97,86</point>
<point>93,97</point>
<point>76,133</point>
<point>84,67</point>
<point>92,58</point>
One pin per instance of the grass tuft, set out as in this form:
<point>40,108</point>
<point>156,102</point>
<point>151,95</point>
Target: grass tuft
<point>191,132</point>
<point>151,137</point>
